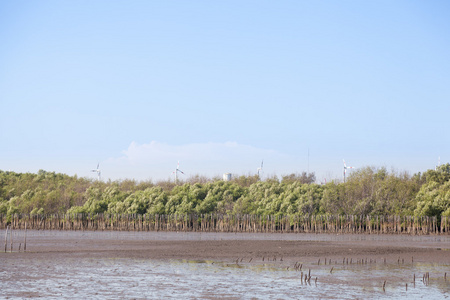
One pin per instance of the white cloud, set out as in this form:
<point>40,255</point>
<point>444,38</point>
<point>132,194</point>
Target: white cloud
<point>157,160</point>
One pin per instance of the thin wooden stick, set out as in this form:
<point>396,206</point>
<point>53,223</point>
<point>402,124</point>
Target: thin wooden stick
<point>6,237</point>
<point>25,239</point>
<point>11,240</point>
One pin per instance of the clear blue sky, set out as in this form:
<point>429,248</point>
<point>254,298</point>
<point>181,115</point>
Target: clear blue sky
<point>221,85</point>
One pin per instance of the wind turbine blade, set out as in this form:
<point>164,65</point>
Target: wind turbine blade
<point>98,165</point>
<point>181,172</point>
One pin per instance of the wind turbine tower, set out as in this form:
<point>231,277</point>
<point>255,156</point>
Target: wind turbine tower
<point>176,172</point>
<point>260,169</point>
<point>439,164</point>
<point>345,169</point>
<point>97,171</point>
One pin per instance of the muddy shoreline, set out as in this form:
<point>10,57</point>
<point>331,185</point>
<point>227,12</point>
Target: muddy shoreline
<point>155,265</point>
<point>225,246</point>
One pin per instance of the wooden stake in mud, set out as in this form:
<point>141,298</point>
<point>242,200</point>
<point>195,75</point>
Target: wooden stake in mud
<point>6,237</point>
<point>384,285</point>
<point>25,239</point>
<point>11,240</point>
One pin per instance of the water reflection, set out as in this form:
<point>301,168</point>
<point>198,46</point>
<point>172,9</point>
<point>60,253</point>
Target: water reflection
<point>125,278</point>
<point>200,279</point>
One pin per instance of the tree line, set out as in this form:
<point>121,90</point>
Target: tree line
<point>367,191</point>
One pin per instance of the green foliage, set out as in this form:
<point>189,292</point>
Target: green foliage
<point>378,192</point>
<point>367,191</point>
<point>302,178</point>
<point>37,211</point>
<point>245,181</point>
<point>4,208</point>
<point>441,175</point>
<point>433,199</point>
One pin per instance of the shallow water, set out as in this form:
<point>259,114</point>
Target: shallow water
<point>184,279</point>
<point>77,276</point>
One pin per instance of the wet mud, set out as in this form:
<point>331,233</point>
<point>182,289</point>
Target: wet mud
<point>151,265</point>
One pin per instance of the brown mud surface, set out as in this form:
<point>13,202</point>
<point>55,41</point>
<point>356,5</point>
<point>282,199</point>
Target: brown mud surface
<point>213,247</point>
<point>155,265</point>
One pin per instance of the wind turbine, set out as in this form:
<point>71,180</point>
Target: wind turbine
<point>98,171</point>
<point>176,172</point>
<point>439,164</point>
<point>345,169</point>
<point>260,169</point>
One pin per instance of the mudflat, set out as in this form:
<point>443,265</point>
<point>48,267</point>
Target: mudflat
<point>193,265</point>
<point>230,246</point>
